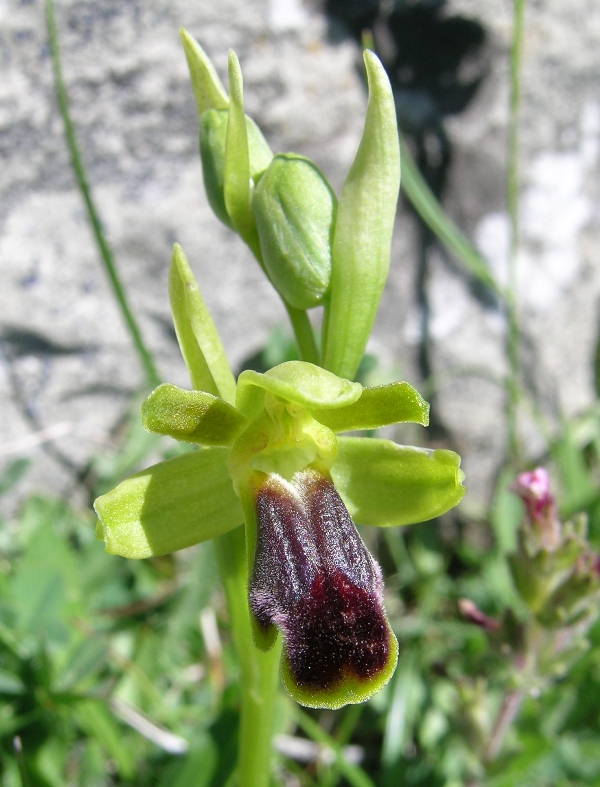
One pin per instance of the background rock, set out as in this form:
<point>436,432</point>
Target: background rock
<point>66,358</point>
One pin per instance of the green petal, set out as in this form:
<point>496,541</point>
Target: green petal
<point>386,484</point>
<point>386,404</point>
<point>170,506</point>
<point>191,416</point>
<point>298,382</point>
<point>208,88</point>
<point>198,338</point>
<point>363,230</point>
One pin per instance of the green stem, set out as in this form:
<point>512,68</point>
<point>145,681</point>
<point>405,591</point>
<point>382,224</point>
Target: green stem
<point>259,678</point>
<point>512,196</point>
<point>144,355</point>
<point>304,334</point>
<point>431,212</point>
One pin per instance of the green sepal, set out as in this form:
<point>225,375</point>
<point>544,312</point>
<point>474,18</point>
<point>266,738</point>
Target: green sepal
<point>237,186</point>
<point>386,484</point>
<point>351,690</point>
<point>191,416</point>
<point>197,335</point>
<point>294,208</point>
<point>363,230</point>
<point>298,382</point>
<point>380,406</point>
<point>170,506</point>
<point>213,135</point>
<point>208,88</point>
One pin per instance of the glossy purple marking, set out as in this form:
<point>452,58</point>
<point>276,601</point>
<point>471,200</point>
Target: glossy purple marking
<point>314,579</point>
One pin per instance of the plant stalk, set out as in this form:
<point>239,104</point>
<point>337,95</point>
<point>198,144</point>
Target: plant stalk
<point>304,334</point>
<point>259,678</point>
<point>512,197</point>
<point>106,255</point>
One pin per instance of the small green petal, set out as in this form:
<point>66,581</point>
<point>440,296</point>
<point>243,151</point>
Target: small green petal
<point>386,484</point>
<point>170,506</point>
<point>191,416</point>
<point>208,88</point>
<point>363,230</point>
<point>198,338</point>
<point>298,382</point>
<point>385,404</point>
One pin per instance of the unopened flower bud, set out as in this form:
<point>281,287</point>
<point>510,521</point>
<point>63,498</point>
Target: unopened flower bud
<point>294,208</point>
<point>213,136</point>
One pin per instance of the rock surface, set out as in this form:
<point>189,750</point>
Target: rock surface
<point>66,362</point>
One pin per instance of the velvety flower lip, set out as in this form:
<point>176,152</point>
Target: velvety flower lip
<point>315,580</point>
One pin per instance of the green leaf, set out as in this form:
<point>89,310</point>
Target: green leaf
<point>12,474</point>
<point>170,506</point>
<point>298,382</point>
<point>363,230</point>
<point>386,484</point>
<point>237,193</point>
<point>385,404</point>
<point>208,88</point>
<point>98,723</point>
<point>191,416</point>
<point>198,338</point>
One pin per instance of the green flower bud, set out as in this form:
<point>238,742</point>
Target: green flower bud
<point>294,208</point>
<point>213,135</point>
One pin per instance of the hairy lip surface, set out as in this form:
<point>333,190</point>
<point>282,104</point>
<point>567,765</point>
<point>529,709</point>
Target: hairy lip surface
<point>315,580</point>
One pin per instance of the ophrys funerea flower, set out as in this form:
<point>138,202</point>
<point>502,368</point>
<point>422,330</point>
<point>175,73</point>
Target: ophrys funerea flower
<point>273,458</point>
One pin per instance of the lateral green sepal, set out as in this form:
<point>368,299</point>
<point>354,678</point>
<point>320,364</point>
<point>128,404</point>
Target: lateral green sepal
<point>298,382</point>
<point>191,416</point>
<point>380,406</point>
<point>386,484</point>
<point>170,506</point>
<point>208,88</point>
<point>197,335</point>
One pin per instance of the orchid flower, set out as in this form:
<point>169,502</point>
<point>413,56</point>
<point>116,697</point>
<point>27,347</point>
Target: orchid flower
<point>271,457</point>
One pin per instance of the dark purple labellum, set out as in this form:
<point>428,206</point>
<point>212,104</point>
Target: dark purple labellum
<point>314,579</point>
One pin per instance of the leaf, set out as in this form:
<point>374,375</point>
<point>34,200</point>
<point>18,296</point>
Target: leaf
<point>363,230</point>
<point>197,335</point>
<point>385,404</point>
<point>97,722</point>
<point>12,474</point>
<point>191,416</point>
<point>386,484</point>
<point>170,506</point>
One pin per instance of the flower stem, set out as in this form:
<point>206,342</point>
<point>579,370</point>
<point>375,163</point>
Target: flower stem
<point>144,355</point>
<point>304,334</point>
<point>259,677</point>
<point>512,196</point>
